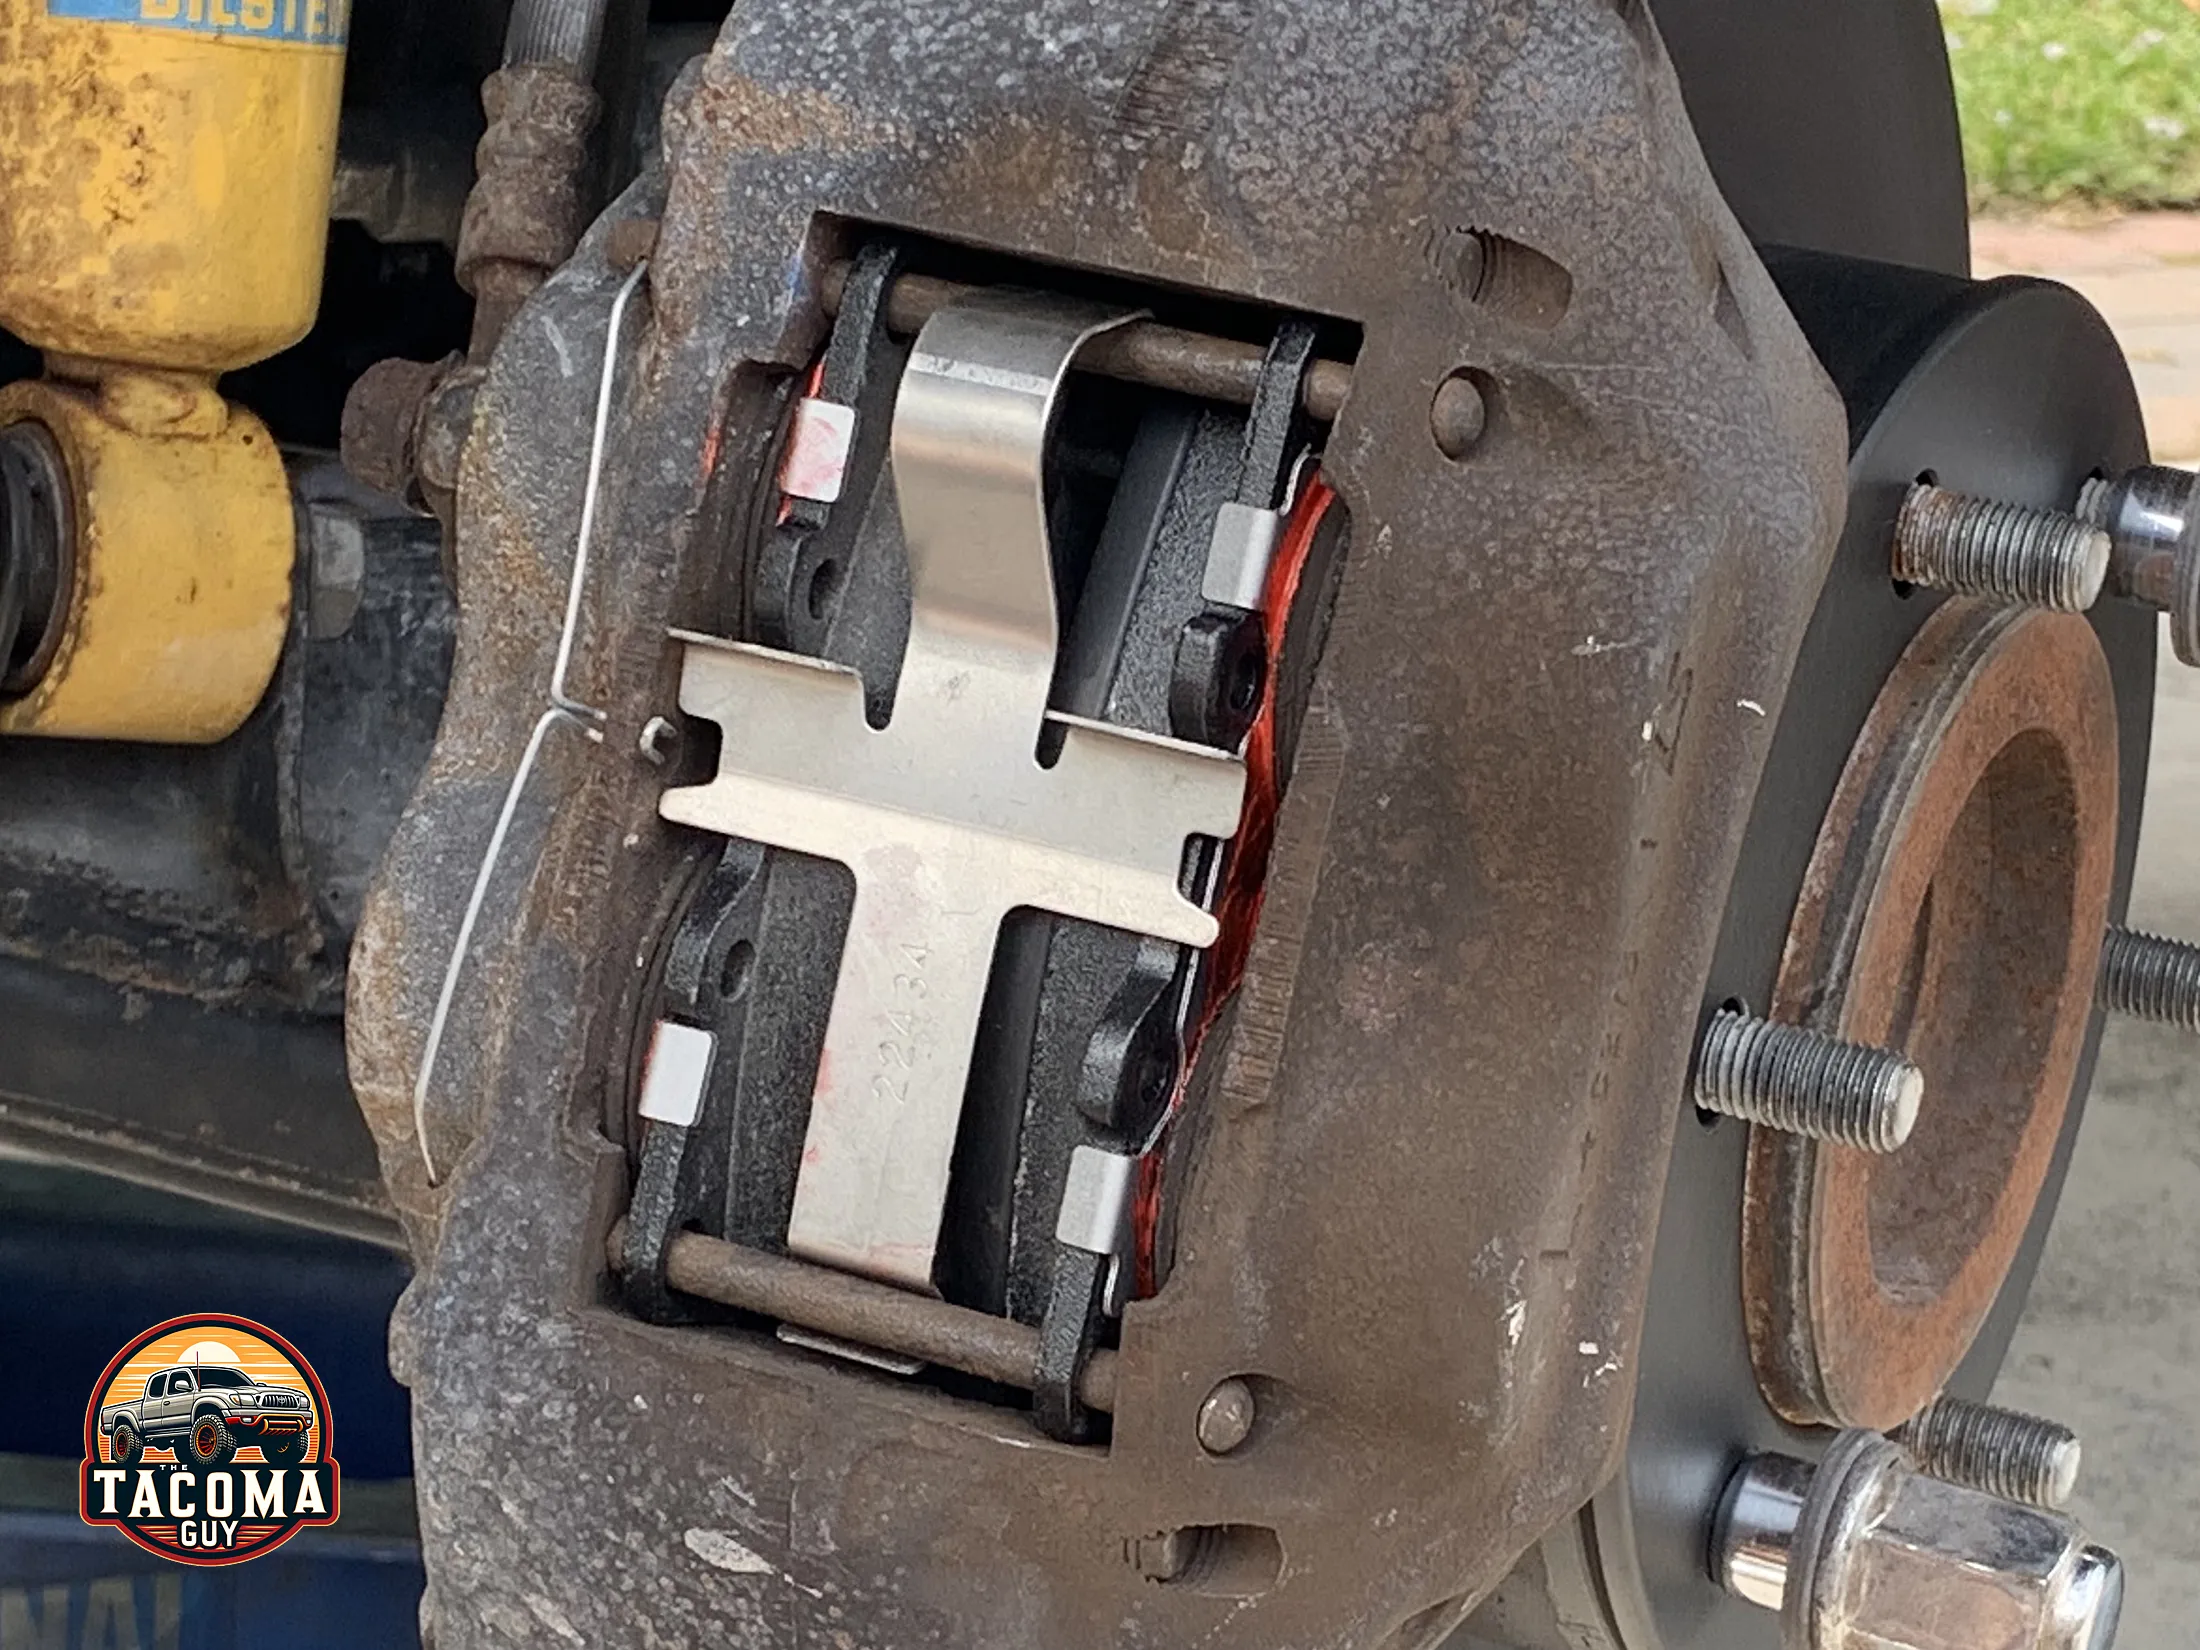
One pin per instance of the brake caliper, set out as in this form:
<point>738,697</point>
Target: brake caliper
<point>1036,993</point>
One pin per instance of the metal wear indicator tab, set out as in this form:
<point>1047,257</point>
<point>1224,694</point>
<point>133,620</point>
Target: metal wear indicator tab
<point>283,22</point>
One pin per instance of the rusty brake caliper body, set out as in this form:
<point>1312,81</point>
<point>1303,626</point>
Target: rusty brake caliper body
<point>1426,1155</point>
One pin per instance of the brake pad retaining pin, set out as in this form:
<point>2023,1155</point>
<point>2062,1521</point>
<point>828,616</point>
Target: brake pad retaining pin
<point>1142,351</point>
<point>562,707</point>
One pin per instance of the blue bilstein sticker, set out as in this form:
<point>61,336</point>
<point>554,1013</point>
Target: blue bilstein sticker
<point>288,22</point>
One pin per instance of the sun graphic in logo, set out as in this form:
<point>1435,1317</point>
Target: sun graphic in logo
<point>207,1441</point>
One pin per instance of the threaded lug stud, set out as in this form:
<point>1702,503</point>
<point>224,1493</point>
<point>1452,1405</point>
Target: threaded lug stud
<point>1982,547</point>
<point>2000,1451</point>
<point>1786,1077</point>
<point>2150,978</point>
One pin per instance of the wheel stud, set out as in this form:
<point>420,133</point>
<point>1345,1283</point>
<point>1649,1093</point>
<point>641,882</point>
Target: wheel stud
<point>2003,1452</point>
<point>2149,978</point>
<point>2152,517</point>
<point>1786,1077</point>
<point>1982,547</point>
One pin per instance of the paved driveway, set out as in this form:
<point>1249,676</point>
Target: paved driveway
<point>2143,273</point>
<point>2111,1340</point>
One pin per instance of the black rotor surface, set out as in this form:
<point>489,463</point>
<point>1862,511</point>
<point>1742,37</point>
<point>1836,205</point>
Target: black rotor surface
<point>2013,390</point>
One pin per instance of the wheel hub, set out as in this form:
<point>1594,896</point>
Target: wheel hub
<point>1954,908</point>
<point>1916,791</point>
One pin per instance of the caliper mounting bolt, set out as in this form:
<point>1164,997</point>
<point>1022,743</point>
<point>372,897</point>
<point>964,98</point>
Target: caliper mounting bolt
<point>1226,1417</point>
<point>1459,415</point>
<point>2153,523</point>
<point>1983,547</point>
<point>2147,977</point>
<point>1788,1077</point>
<point>2003,1452</point>
<point>1865,1552</point>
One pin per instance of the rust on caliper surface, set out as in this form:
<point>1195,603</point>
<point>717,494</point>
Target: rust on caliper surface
<point>1421,1217</point>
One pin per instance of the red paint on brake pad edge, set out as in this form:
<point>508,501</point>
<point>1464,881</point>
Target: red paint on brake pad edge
<point>1247,873</point>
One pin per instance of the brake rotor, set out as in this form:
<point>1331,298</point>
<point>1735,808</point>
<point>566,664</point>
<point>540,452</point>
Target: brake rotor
<point>1947,818</point>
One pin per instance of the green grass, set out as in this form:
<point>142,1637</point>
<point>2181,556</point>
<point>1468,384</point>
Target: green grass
<point>2077,102</point>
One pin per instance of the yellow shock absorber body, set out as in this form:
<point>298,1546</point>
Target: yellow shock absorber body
<point>164,175</point>
<point>164,185</point>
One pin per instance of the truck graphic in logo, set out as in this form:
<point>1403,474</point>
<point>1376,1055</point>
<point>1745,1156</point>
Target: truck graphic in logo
<point>208,1441</point>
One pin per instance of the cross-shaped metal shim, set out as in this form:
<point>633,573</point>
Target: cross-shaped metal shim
<point>946,816</point>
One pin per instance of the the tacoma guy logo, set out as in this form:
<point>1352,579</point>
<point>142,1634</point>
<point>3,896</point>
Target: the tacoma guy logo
<point>207,1441</point>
